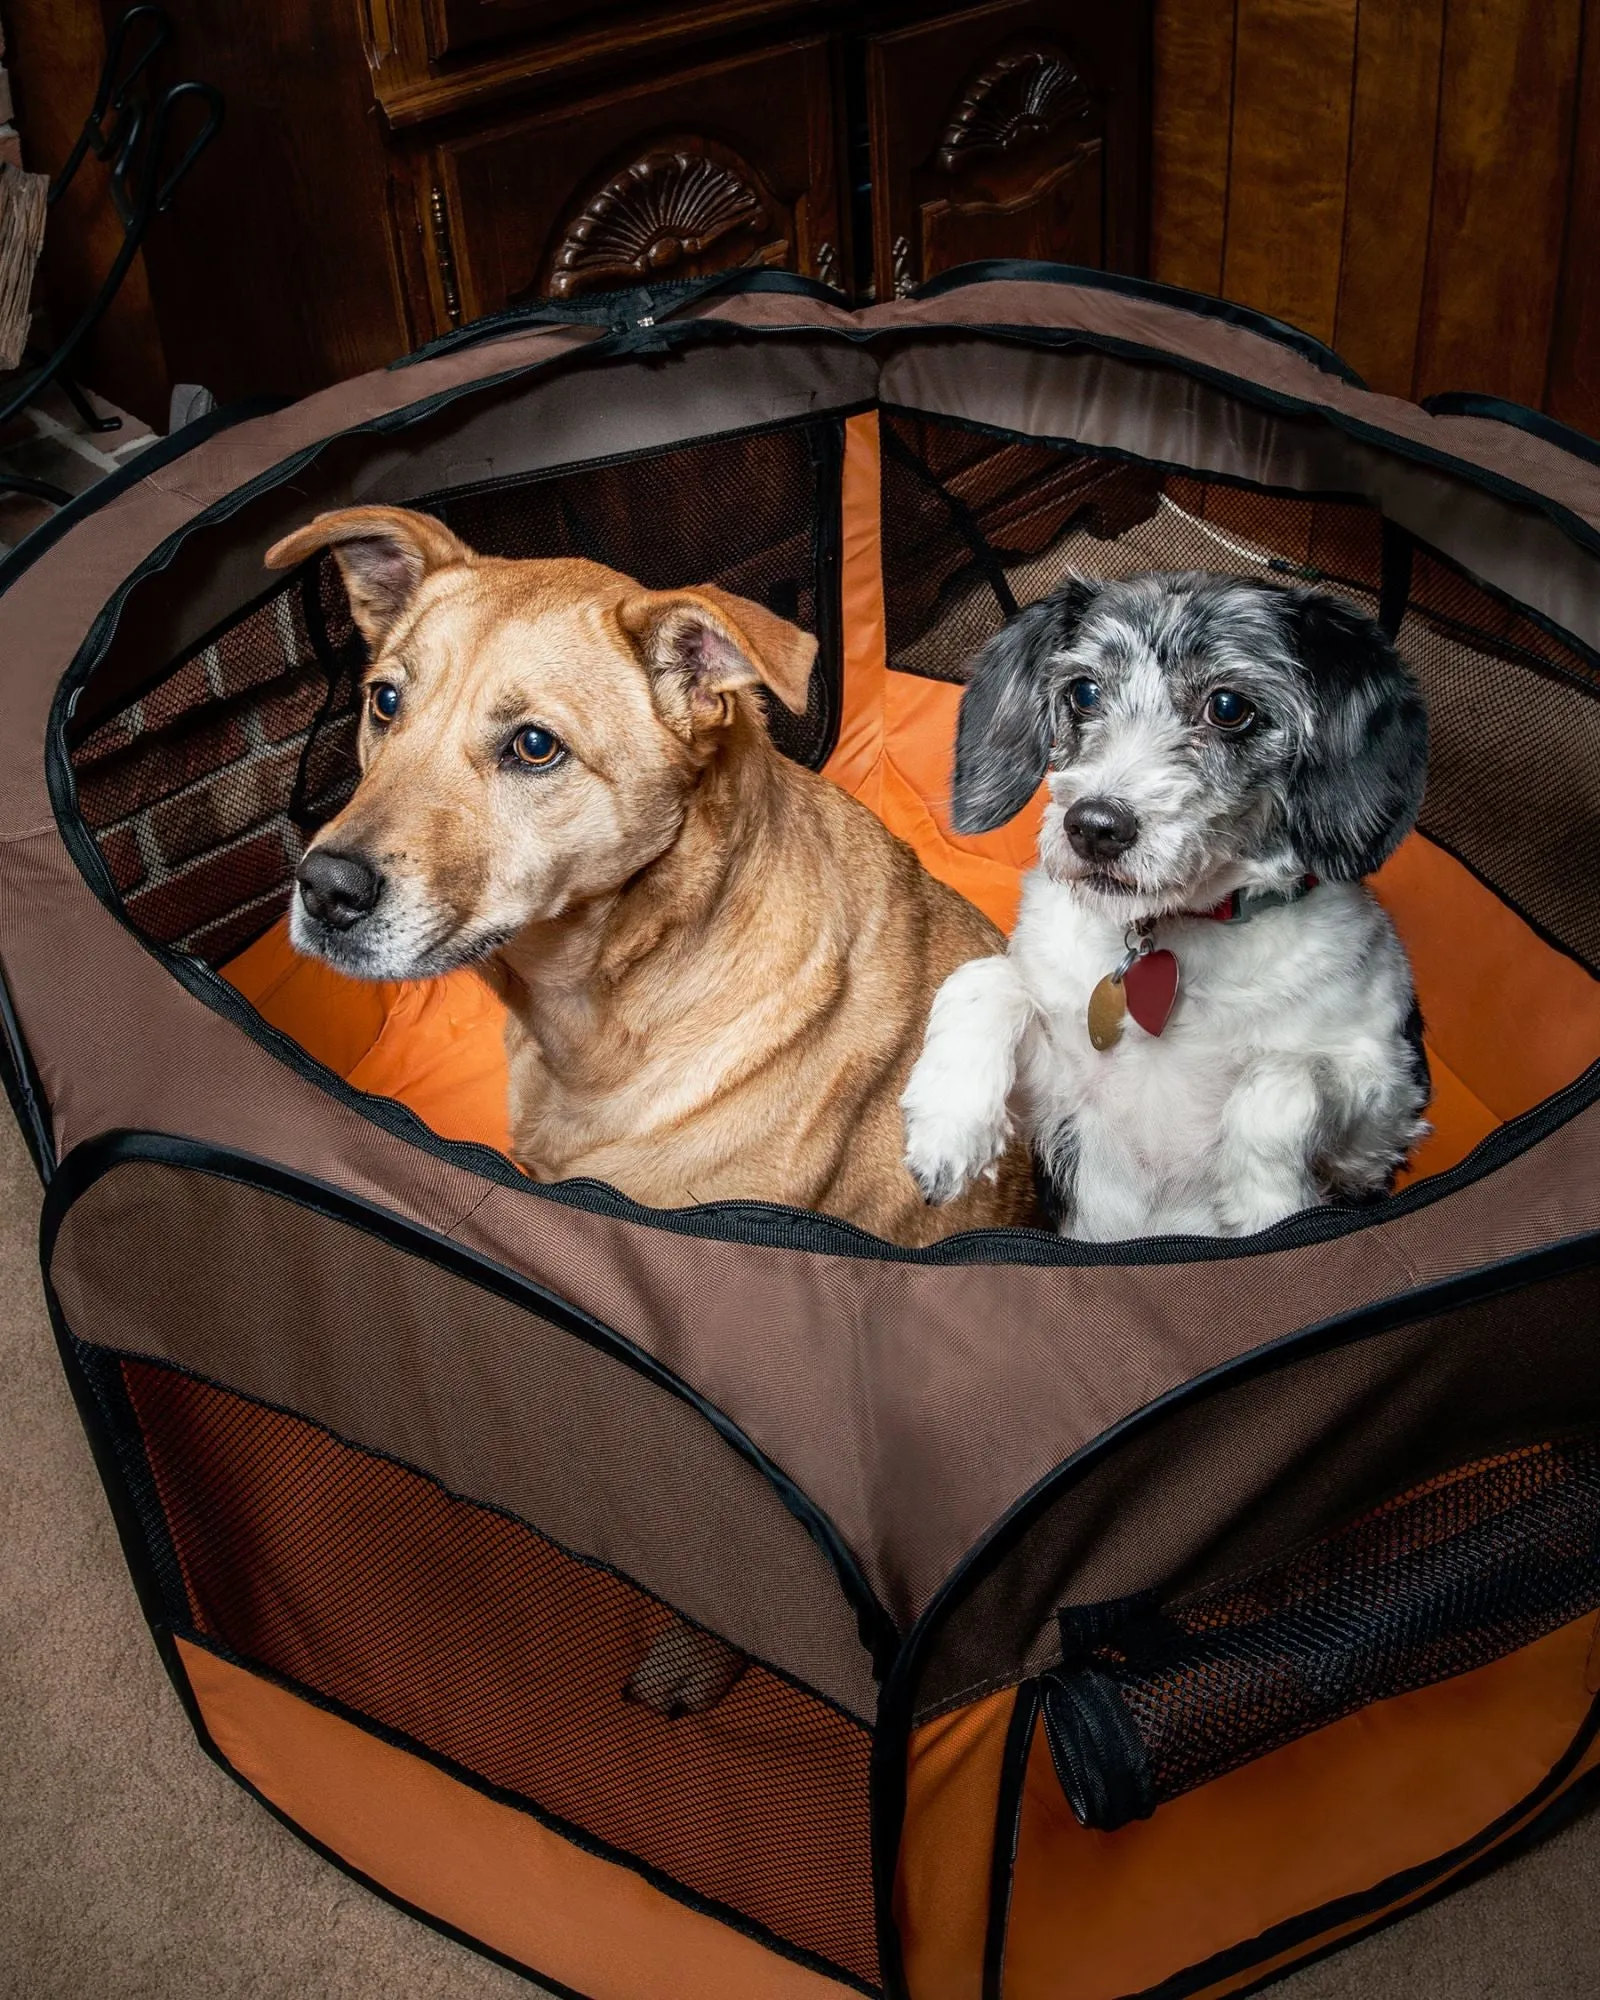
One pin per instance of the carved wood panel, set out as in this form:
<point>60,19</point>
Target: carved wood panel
<point>1016,130</point>
<point>678,211</point>
<point>728,165</point>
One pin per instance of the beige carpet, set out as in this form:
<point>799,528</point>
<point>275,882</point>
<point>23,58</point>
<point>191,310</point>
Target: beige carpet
<point>132,1869</point>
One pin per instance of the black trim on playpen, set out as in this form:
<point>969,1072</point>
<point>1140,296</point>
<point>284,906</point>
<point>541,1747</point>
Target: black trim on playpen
<point>1007,1833</point>
<point>24,1089</point>
<point>161,451</point>
<point>897,1699</point>
<point>1497,410</point>
<point>1085,277</point>
<point>634,309</point>
<point>642,307</point>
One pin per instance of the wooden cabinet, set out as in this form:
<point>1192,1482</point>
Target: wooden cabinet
<point>391,168</point>
<point>1015,130</point>
<point>731,164</point>
<point>455,25</point>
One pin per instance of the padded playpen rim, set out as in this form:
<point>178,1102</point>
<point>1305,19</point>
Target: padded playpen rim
<point>1035,304</point>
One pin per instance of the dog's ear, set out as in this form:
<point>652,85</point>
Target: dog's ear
<point>701,646</point>
<point>1356,784</point>
<point>383,554</point>
<point>1003,735</point>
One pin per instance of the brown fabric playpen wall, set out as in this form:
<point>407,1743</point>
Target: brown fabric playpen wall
<point>1123,1620</point>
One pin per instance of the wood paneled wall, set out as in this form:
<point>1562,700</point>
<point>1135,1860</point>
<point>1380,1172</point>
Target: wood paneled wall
<point>1417,182</point>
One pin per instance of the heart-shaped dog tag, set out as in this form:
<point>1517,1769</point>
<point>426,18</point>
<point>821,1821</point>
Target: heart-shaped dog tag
<point>1151,986</point>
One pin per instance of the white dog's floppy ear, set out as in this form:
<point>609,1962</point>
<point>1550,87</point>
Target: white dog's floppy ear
<point>701,646</point>
<point>1003,736</point>
<point>1356,784</point>
<point>383,554</point>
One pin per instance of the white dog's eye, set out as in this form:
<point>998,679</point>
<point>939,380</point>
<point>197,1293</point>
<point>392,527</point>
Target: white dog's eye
<point>1084,696</point>
<point>1230,711</point>
<point>536,748</point>
<point>383,701</point>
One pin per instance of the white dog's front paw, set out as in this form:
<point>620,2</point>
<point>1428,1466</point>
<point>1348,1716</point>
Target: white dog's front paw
<point>949,1143</point>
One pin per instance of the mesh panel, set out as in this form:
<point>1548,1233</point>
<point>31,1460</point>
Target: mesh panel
<point>1451,1576</point>
<point>1514,775</point>
<point>1514,772</point>
<point>462,1629</point>
<point>199,793</point>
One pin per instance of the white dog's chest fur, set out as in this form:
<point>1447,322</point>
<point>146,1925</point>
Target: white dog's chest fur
<point>1284,1073</point>
<point>1321,982</point>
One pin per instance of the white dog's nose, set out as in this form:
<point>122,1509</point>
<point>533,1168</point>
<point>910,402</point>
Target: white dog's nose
<point>1101,829</point>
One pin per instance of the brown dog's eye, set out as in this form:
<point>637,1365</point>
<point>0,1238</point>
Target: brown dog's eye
<point>383,701</point>
<point>1230,711</point>
<point>537,748</point>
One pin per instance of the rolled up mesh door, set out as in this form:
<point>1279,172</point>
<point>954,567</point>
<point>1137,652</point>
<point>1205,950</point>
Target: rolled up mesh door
<point>428,1497</point>
<point>1341,1527</point>
<point>1148,1703</point>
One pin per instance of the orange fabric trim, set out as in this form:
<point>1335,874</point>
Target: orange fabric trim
<point>491,1871</point>
<point>942,1887</point>
<point>859,749</point>
<point>1348,1933</point>
<point>437,1045</point>
<point>1098,1915</point>
<point>1515,1019</point>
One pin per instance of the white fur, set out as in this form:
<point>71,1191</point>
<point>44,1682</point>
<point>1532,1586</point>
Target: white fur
<point>1282,1048</point>
<point>1285,1076</point>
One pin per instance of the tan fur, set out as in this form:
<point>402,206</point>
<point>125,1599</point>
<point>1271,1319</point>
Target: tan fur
<point>718,966</point>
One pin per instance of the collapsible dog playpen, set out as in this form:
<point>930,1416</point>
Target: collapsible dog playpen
<point>1131,1619</point>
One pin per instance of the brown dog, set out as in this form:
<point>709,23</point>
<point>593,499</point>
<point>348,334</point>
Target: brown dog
<point>717,966</point>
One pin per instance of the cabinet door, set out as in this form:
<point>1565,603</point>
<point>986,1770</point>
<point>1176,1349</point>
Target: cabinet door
<point>710,169</point>
<point>455,25</point>
<point>1017,130</point>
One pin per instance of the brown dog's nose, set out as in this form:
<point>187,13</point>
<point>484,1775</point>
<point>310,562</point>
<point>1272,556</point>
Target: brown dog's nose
<point>1101,829</point>
<point>337,889</point>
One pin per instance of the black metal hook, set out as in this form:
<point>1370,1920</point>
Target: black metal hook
<point>112,94</point>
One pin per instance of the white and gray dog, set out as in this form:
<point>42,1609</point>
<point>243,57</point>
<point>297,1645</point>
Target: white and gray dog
<point>1204,1023</point>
